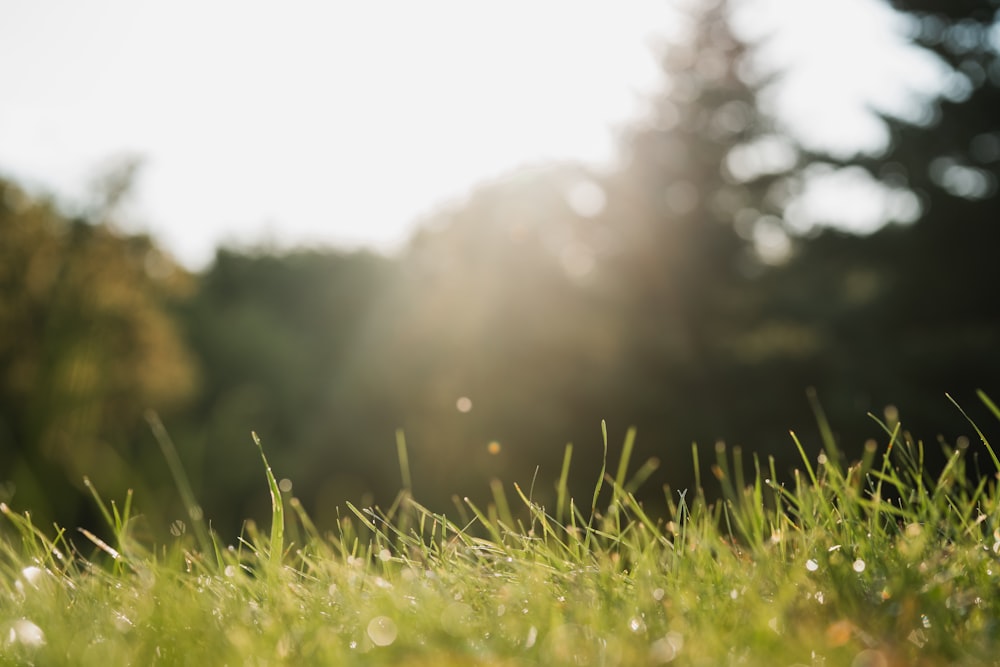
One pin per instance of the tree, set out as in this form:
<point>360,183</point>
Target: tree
<point>87,345</point>
<point>696,216</point>
<point>930,284</point>
<point>276,336</point>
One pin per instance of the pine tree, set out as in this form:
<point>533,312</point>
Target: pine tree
<point>696,211</point>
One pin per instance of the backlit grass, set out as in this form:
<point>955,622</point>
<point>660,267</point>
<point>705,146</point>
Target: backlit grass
<point>866,563</point>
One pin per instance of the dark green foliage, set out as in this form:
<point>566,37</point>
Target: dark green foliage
<point>87,344</point>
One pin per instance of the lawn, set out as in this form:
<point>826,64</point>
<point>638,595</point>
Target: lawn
<point>871,563</point>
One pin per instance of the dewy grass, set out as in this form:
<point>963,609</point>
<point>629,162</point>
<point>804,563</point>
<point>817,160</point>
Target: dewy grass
<point>868,563</point>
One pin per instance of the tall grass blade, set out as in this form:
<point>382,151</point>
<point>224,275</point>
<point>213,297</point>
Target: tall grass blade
<point>625,458</point>
<point>561,489</point>
<point>982,436</point>
<point>604,468</point>
<point>277,544</point>
<point>194,511</point>
<point>404,461</point>
<point>988,403</point>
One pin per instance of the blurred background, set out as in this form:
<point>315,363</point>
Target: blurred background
<point>490,225</point>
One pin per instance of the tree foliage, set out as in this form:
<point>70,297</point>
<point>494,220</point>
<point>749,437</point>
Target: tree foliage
<point>87,344</point>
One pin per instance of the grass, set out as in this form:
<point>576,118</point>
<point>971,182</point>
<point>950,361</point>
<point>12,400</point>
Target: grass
<point>868,563</point>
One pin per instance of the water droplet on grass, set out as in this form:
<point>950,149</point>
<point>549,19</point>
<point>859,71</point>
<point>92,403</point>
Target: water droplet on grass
<point>859,566</point>
<point>382,631</point>
<point>32,576</point>
<point>178,528</point>
<point>812,565</point>
<point>666,648</point>
<point>636,625</point>
<point>122,622</point>
<point>25,633</point>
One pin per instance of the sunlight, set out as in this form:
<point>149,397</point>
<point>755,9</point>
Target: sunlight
<point>844,52</point>
<point>320,122</point>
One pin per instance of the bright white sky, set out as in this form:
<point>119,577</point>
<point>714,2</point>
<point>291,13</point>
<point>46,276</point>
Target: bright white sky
<point>344,122</point>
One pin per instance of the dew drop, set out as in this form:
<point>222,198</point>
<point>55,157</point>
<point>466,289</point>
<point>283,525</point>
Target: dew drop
<point>666,648</point>
<point>859,565</point>
<point>532,636</point>
<point>178,528</point>
<point>23,631</point>
<point>812,565</point>
<point>636,625</point>
<point>658,594</point>
<point>122,622</point>
<point>382,631</point>
<point>32,575</point>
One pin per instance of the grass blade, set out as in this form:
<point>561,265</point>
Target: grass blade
<point>194,510</point>
<point>277,545</point>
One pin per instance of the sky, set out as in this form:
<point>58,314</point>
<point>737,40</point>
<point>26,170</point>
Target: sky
<point>345,123</point>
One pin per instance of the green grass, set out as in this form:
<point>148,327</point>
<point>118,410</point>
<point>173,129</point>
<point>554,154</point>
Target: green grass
<point>866,563</point>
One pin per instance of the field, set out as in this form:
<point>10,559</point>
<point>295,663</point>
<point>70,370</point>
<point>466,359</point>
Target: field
<point>872,563</point>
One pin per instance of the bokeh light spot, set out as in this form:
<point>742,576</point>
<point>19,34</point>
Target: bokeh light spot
<point>587,199</point>
<point>493,448</point>
<point>464,404</point>
<point>382,630</point>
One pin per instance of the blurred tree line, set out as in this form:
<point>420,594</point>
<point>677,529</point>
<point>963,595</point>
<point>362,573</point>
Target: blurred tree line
<point>669,294</point>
